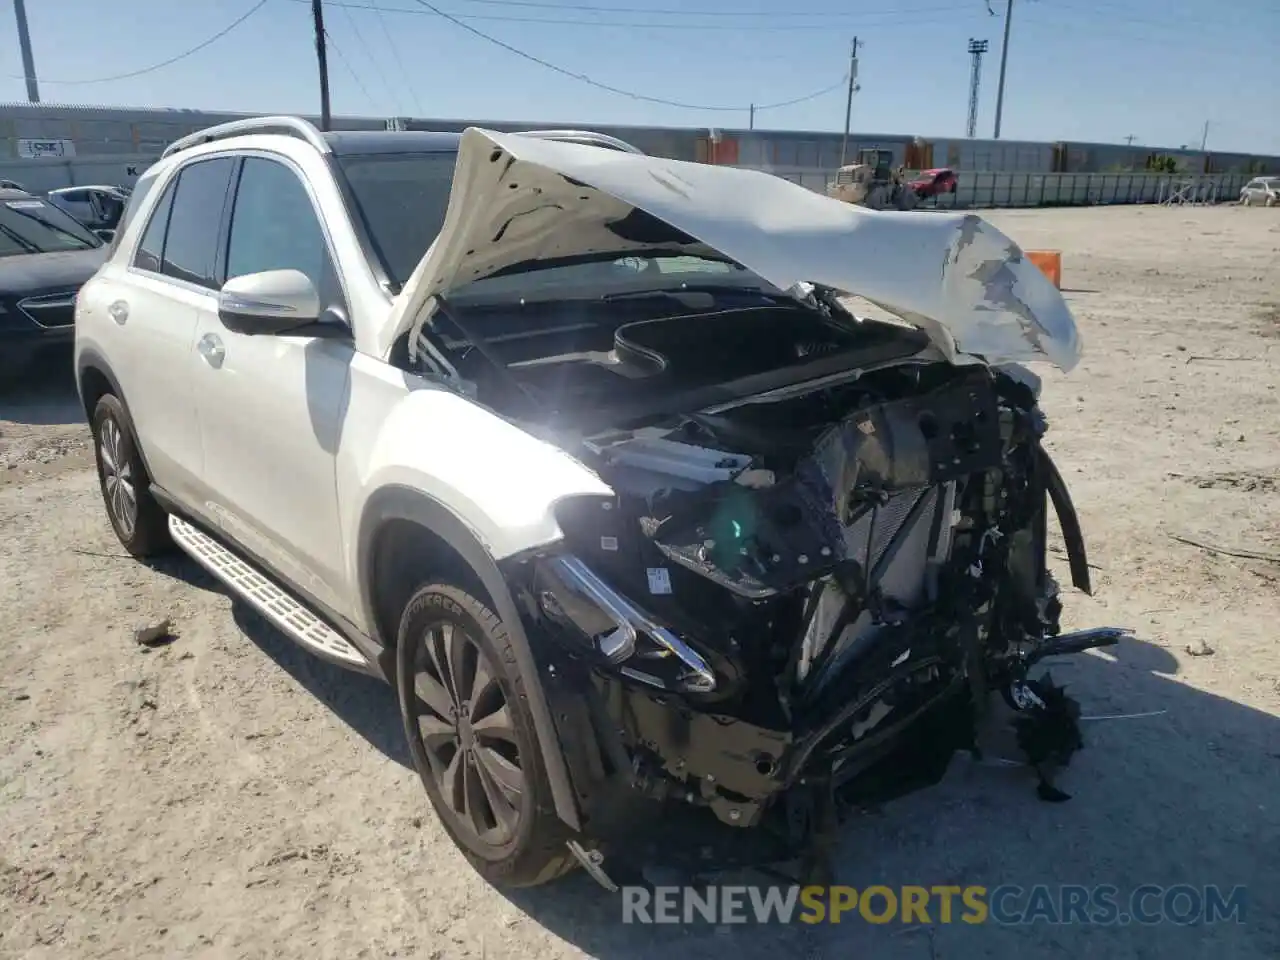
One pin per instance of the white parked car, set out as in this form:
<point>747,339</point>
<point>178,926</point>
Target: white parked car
<point>1261,191</point>
<point>583,453</point>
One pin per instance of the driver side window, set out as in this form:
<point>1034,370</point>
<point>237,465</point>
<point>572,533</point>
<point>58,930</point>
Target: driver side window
<point>275,227</point>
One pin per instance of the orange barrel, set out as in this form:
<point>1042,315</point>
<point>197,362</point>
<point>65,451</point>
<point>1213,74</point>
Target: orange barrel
<point>1050,264</point>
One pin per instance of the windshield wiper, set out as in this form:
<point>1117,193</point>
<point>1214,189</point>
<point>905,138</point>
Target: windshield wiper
<point>711,288</point>
<point>445,309</point>
<point>20,240</point>
<point>49,224</point>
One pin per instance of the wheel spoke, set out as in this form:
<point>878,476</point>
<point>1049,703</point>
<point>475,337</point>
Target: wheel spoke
<point>505,774</point>
<point>495,726</point>
<point>126,491</point>
<point>435,732</point>
<point>432,693</point>
<point>451,782</point>
<point>502,804</point>
<point>475,800</point>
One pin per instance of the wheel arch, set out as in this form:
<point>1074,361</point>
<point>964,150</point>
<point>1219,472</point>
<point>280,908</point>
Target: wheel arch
<point>398,524</point>
<point>94,380</point>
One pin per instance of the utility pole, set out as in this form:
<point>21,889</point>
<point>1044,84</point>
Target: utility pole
<point>848,103</point>
<point>317,14</point>
<point>24,43</point>
<point>1204,137</point>
<point>976,49</point>
<point>1004,59</point>
<point>751,123</point>
<point>1129,139</point>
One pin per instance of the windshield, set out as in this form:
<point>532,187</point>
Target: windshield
<point>33,226</point>
<point>402,198</point>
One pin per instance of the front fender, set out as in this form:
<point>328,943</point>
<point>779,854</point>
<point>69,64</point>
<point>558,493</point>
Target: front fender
<point>405,503</point>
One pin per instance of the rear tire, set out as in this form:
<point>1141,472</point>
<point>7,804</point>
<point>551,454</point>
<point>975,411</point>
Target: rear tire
<point>466,719</point>
<point>140,523</point>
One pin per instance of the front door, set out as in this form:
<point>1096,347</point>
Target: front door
<point>271,408</point>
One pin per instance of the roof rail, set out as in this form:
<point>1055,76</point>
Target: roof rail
<point>589,137</point>
<point>290,126</point>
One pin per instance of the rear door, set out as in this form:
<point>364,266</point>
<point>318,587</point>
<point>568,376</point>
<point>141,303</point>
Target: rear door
<point>154,306</point>
<point>271,408</point>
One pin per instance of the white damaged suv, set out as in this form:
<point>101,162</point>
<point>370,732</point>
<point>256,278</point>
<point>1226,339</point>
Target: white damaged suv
<point>582,451</point>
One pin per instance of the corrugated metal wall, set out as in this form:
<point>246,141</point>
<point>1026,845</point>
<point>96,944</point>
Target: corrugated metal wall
<point>112,145</point>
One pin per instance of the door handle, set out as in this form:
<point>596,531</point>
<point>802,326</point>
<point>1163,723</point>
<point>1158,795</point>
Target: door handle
<point>119,312</point>
<point>211,348</point>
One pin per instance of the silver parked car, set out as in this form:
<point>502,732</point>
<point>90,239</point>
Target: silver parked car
<point>97,207</point>
<point>1261,190</point>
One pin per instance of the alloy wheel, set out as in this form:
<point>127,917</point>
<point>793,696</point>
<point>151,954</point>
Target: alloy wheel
<point>466,729</point>
<point>118,483</point>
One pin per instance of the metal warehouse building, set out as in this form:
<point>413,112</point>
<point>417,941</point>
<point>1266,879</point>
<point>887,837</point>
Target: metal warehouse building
<point>43,146</point>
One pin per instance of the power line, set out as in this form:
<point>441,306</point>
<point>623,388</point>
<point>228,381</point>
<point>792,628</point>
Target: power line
<point>172,60</point>
<point>784,21</point>
<point>583,78</point>
<point>669,11</point>
<point>350,69</point>
<point>395,52</point>
<point>377,68</point>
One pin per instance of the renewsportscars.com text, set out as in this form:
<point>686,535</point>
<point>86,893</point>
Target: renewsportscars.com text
<point>1008,904</point>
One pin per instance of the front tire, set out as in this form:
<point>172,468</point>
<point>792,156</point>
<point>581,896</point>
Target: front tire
<point>140,523</point>
<point>463,704</point>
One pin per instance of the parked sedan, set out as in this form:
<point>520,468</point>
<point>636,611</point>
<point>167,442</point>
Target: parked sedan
<point>45,257</point>
<point>1261,190</point>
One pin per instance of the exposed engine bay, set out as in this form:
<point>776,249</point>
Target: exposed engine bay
<point>799,598</point>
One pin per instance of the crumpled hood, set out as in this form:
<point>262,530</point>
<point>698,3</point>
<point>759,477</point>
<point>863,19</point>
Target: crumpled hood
<point>519,199</point>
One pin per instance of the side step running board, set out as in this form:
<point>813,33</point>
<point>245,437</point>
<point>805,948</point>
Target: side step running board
<point>284,612</point>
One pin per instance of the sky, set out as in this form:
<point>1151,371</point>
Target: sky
<point>1078,70</point>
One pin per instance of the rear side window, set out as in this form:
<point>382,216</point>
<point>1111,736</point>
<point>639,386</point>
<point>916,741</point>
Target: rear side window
<point>190,246</point>
<point>151,249</point>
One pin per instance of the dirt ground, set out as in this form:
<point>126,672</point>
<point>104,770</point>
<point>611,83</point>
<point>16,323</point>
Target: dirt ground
<point>229,796</point>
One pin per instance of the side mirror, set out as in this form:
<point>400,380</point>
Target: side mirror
<point>268,303</point>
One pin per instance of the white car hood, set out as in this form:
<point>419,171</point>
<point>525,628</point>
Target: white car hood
<point>519,199</point>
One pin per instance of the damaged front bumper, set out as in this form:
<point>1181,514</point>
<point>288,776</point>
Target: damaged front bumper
<point>662,775</point>
<point>723,707</point>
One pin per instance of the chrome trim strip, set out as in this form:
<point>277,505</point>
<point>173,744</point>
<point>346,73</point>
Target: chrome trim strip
<point>631,621</point>
<point>48,301</point>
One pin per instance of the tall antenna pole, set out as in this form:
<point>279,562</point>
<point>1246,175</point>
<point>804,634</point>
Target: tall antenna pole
<point>317,15</point>
<point>976,49</point>
<point>24,43</point>
<point>1004,59</point>
<point>848,103</point>
<point>1204,137</point>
